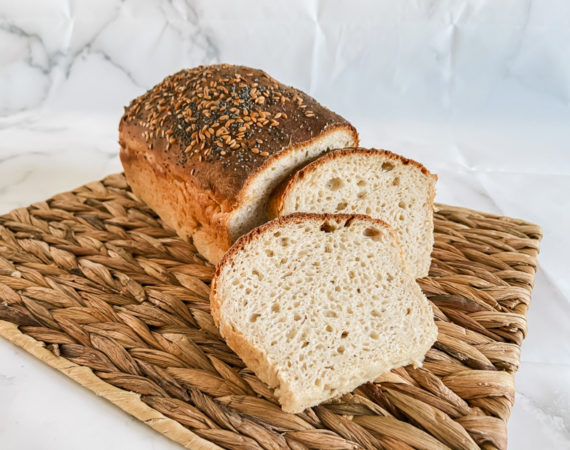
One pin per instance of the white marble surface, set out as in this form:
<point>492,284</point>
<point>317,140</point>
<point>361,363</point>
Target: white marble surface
<point>477,90</point>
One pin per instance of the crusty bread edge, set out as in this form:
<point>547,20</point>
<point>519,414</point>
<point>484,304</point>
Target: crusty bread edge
<point>277,199</point>
<point>128,401</point>
<point>200,225</point>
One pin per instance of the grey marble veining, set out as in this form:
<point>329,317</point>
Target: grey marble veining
<point>479,91</point>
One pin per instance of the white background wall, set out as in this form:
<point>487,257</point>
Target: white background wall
<point>479,91</point>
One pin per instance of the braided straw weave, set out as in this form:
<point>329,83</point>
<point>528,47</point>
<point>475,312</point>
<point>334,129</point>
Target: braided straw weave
<point>92,284</point>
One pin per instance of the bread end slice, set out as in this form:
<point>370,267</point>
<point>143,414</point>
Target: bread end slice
<point>317,304</point>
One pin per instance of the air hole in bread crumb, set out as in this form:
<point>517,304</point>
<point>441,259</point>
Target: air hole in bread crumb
<point>330,314</point>
<point>254,317</point>
<point>396,181</point>
<point>389,277</point>
<point>328,249</point>
<point>375,313</point>
<point>408,311</point>
<point>368,211</point>
<point>329,328</point>
<point>358,290</point>
<point>387,166</point>
<point>273,343</point>
<point>276,307</point>
<point>374,335</point>
<point>362,194</point>
<point>277,234</point>
<point>341,206</point>
<point>296,317</point>
<point>305,344</point>
<point>327,227</point>
<point>351,274</point>
<point>361,183</point>
<point>257,274</point>
<point>269,253</point>
<point>402,205</point>
<point>344,335</point>
<point>334,184</point>
<point>373,233</point>
<point>340,350</point>
<point>284,242</point>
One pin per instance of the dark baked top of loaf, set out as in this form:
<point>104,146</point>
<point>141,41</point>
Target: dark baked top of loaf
<point>220,124</point>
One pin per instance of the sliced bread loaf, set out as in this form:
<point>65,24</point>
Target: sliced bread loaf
<point>317,304</point>
<point>206,147</point>
<point>377,183</point>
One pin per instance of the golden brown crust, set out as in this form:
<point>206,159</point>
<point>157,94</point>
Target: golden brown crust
<point>181,204</point>
<point>178,122</point>
<point>277,199</point>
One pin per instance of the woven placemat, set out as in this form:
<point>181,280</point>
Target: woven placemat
<point>92,284</point>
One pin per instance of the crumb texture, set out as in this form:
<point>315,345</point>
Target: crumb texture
<point>326,301</point>
<point>376,183</point>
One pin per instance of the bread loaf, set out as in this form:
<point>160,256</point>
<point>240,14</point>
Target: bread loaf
<point>205,148</point>
<point>377,183</point>
<point>318,304</point>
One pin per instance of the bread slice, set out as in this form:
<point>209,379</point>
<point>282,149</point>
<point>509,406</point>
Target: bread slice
<point>317,304</point>
<point>377,183</point>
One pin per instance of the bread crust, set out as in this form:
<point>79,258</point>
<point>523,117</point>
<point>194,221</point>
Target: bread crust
<point>277,200</point>
<point>162,129</point>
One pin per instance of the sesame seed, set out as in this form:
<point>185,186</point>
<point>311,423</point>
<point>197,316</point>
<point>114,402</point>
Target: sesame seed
<point>211,111</point>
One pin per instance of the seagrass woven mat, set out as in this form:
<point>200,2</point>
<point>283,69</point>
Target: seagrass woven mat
<point>92,284</point>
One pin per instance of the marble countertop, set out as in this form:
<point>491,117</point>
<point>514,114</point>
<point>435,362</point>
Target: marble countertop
<point>479,92</point>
